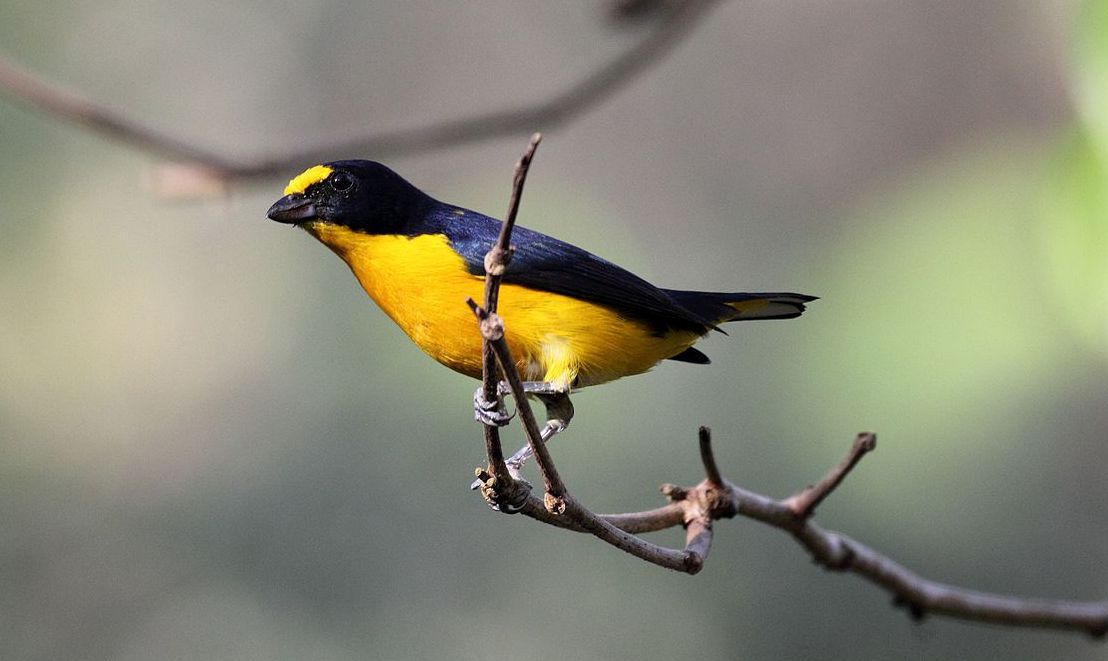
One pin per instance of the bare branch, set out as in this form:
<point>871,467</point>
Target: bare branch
<point>496,262</point>
<point>492,330</point>
<point>837,552</point>
<point>716,498</point>
<point>673,26</point>
<point>804,503</point>
<point>653,520</point>
<point>500,255</point>
<point>55,100</point>
<point>708,458</point>
<point>694,508</point>
<point>555,489</point>
<point>921,596</point>
<point>697,513</point>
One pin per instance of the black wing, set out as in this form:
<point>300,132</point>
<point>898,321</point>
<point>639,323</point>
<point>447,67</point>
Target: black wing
<point>544,263</point>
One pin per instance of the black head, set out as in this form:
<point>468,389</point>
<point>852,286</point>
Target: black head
<point>362,195</point>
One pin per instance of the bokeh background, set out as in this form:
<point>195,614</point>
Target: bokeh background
<point>213,446</point>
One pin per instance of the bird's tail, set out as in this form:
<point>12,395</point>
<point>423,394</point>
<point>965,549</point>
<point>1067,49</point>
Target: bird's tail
<point>718,307</point>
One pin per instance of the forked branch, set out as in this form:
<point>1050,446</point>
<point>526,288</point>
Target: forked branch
<point>716,498</point>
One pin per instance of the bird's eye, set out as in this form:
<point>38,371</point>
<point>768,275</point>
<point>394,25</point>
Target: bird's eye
<point>341,182</point>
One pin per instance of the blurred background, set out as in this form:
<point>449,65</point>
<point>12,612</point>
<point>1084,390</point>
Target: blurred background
<point>213,445</point>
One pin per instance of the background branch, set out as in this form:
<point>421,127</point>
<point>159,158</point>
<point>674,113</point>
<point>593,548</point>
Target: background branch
<point>675,23</point>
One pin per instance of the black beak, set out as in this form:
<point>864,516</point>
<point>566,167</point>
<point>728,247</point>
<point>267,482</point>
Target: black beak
<point>292,209</point>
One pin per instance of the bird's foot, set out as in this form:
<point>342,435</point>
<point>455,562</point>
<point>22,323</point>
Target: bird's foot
<point>551,429</point>
<point>490,412</point>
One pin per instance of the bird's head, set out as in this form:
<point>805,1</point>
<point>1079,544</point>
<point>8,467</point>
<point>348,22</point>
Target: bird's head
<point>362,196</point>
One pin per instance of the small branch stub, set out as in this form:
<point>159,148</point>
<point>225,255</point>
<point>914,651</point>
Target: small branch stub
<point>804,503</point>
<point>554,504</point>
<point>508,496</point>
<point>707,457</point>
<point>497,260</point>
<point>492,328</point>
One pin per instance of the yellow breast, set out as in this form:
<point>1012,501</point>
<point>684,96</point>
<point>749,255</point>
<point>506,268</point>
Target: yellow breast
<point>422,284</point>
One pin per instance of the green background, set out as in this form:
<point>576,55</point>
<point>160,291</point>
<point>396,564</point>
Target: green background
<point>213,446</point>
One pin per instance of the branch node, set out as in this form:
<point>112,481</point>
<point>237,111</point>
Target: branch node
<point>497,260</point>
<point>492,327</point>
<point>839,556</point>
<point>508,496</point>
<point>718,502</point>
<point>915,610</point>
<point>554,504</point>
<point>673,493</point>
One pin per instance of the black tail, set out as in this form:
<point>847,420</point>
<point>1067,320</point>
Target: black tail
<point>721,307</point>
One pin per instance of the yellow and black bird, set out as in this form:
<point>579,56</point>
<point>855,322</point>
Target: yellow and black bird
<point>573,319</point>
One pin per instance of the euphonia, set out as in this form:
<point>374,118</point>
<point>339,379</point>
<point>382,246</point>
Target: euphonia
<point>572,319</point>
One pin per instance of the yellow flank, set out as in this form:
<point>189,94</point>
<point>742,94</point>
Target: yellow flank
<point>422,284</point>
<point>312,175</point>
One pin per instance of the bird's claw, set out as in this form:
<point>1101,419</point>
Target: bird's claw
<point>488,412</point>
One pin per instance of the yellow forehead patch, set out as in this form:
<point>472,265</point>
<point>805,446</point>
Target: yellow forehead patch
<point>312,175</point>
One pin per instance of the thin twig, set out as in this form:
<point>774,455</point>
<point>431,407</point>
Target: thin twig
<point>838,552</point>
<point>653,520</point>
<point>550,113</point>
<point>500,255</point>
<point>716,498</point>
<point>496,263</point>
<point>636,546</point>
<point>697,512</point>
<point>804,503</point>
<point>493,330</point>
<point>698,541</point>
<point>55,100</point>
<point>581,518</point>
<point>708,458</point>
<point>921,596</point>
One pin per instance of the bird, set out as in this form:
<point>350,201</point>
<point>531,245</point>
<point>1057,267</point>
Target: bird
<point>573,319</point>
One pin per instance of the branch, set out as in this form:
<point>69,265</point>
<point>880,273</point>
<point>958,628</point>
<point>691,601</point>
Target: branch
<point>510,494</point>
<point>679,19</point>
<point>504,490</point>
<point>919,595</point>
<point>804,503</point>
<point>838,552</point>
<point>500,489</point>
<point>716,498</point>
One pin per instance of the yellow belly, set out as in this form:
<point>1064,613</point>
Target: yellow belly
<point>422,284</point>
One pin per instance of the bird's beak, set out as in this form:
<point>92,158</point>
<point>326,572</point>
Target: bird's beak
<point>292,209</point>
